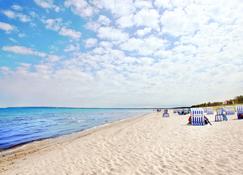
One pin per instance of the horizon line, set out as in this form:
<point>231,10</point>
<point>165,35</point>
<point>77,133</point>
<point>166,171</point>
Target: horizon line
<point>95,107</point>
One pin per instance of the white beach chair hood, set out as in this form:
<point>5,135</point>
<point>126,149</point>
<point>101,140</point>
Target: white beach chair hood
<point>239,109</point>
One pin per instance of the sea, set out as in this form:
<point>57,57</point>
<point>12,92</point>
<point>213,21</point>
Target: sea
<point>22,125</point>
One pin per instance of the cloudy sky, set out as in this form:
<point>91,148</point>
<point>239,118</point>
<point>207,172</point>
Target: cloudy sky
<point>120,53</point>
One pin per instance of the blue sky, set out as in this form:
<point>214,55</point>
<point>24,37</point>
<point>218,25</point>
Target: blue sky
<point>111,53</point>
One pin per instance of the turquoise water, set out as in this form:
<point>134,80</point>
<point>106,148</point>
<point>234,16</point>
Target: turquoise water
<point>23,125</point>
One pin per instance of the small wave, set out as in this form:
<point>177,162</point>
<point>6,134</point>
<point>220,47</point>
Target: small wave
<point>26,125</point>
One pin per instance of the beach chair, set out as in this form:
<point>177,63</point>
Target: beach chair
<point>205,110</point>
<point>229,110</point>
<point>239,110</point>
<point>166,114</point>
<point>221,115</point>
<point>184,111</point>
<point>208,111</point>
<point>197,116</point>
<point>180,111</point>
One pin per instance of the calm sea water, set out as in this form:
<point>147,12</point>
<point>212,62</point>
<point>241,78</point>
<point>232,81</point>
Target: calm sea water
<point>23,125</point>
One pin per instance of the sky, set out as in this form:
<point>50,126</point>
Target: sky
<point>120,53</point>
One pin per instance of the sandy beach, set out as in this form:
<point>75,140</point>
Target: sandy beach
<point>148,144</point>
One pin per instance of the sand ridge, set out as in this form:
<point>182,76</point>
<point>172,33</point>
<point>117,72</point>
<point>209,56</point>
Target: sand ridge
<point>145,145</point>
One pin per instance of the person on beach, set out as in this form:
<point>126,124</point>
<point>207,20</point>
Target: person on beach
<point>189,120</point>
<point>224,116</point>
<point>206,120</point>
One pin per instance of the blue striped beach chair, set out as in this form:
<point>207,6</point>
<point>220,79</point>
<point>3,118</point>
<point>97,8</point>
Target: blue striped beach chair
<point>221,115</point>
<point>208,111</point>
<point>197,116</point>
<point>205,110</point>
<point>229,110</point>
<point>239,110</point>
<point>165,113</point>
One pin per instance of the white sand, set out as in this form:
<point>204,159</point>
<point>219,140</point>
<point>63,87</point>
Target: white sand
<point>145,145</point>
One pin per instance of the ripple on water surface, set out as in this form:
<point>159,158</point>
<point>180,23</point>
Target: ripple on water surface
<point>22,125</point>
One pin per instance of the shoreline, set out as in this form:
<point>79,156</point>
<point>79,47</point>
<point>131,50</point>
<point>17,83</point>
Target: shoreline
<point>19,151</point>
<point>75,132</point>
<point>143,144</point>
<point>17,133</point>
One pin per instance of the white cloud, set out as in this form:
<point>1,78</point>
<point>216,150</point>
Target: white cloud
<point>146,46</point>
<point>143,4</point>
<point>6,27</point>
<point>44,3</point>
<point>133,44</point>
<point>104,20</point>
<point>165,4</point>
<point>80,7</point>
<point>47,4</point>
<point>144,31</point>
<point>92,26</point>
<point>4,70</point>
<point>9,13</point>
<point>70,33</point>
<point>125,21</point>
<point>170,4</point>
<point>91,42</point>
<point>177,23</point>
<point>21,50</point>
<point>155,54</point>
<point>101,21</point>
<point>112,34</point>
<point>72,48</point>
<point>24,18</point>
<point>116,7</point>
<point>53,58</point>
<point>14,15</point>
<point>106,44</point>
<point>16,7</point>
<point>57,25</point>
<point>147,18</point>
<point>53,24</point>
<point>12,40</point>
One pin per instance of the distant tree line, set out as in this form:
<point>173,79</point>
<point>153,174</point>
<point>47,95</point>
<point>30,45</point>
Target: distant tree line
<point>236,100</point>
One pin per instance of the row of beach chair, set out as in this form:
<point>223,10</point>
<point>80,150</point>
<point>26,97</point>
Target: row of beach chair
<point>227,110</point>
<point>198,114</point>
